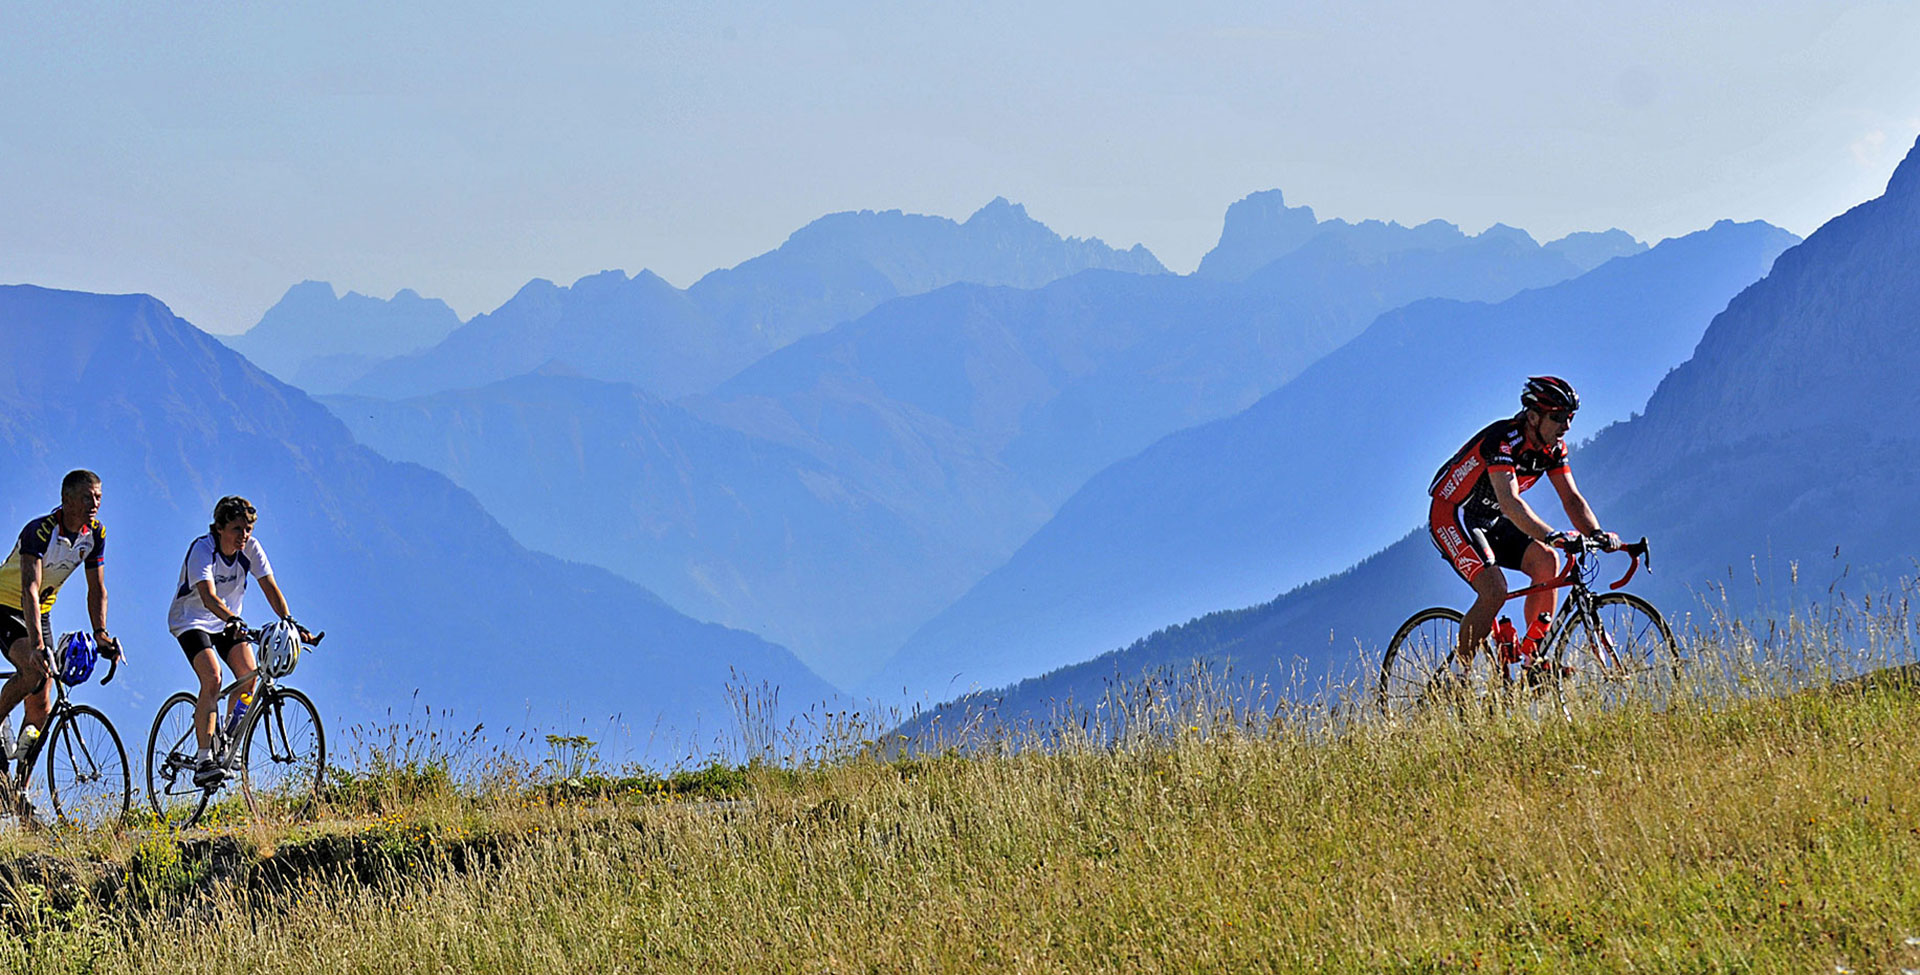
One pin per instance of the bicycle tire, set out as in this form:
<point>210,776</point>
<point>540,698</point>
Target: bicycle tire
<point>1632,656</point>
<point>1423,648</point>
<point>283,756</point>
<point>171,747</point>
<point>88,780</point>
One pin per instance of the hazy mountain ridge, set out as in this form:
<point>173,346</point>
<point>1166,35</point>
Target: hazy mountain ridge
<point>941,428</point>
<point>1260,229</point>
<point>317,340</point>
<point>1250,505</point>
<point>723,526</point>
<point>1744,470</point>
<point>642,330</point>
<point>417,586</point>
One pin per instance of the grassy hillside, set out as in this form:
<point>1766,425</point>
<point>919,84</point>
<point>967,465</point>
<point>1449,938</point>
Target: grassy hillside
<point>1761,828</point>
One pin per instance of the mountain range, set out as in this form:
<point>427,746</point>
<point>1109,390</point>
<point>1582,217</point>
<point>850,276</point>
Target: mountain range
<point>1261,229</point>
<point>939,430</point>
<point>669,342</point>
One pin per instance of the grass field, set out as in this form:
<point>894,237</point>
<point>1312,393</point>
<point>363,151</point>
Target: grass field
<point>1759,828</point>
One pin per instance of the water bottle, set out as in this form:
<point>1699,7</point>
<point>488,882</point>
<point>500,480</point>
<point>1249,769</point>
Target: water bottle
<point>7,751</point>
<point>239,712</point>
<point>28,735</point>
<point>1534,632</point>
<point>1503,640</point>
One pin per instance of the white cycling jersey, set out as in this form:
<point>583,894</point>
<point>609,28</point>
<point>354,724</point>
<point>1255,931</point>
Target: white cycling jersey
<point>204,563</point>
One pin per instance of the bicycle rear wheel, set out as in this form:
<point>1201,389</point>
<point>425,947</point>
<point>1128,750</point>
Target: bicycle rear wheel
<point>1420,652</point>
<point>87,775</point>
<point>1623,652</point>
<point>171,746</point>
<point>284,756</point>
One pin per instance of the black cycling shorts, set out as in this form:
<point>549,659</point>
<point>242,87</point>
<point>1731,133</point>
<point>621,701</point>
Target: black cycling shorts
<point>1457,530</point>
<point>13,626</point>
<point>194,641</point>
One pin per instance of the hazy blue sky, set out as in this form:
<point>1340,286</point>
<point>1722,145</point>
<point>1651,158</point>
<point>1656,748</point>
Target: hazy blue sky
<point>214,158</point>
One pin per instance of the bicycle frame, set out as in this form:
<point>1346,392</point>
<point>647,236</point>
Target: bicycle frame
<point>1580,599</point>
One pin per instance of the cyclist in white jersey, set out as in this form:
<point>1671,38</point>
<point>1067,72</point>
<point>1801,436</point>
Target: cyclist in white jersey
<point>205,616</point>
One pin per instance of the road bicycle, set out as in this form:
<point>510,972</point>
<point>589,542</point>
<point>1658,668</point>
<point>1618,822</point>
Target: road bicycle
<point>1604,647</point>
<point>276,750</point>
<point>87,780</point>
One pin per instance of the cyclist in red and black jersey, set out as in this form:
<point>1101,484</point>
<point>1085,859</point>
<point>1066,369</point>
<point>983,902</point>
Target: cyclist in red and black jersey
<point>1479,521</point>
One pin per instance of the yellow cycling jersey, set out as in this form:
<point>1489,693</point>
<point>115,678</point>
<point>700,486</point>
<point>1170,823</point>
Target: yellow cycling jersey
<point>59,555</point>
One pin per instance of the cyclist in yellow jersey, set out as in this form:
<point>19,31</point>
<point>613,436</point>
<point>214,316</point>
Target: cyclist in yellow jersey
<point>49,548</point>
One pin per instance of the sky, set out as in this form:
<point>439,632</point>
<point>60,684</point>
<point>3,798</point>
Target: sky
<point>214,154</point>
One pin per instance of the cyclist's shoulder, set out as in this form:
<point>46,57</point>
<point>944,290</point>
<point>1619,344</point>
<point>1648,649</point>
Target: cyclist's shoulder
<point>39,531</point>
<point>1502,435</point>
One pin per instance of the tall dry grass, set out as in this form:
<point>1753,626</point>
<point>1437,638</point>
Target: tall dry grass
<point>1767,821</point>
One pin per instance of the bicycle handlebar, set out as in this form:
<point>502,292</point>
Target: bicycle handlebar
<point>309,639</point>
<point>1640,554</point>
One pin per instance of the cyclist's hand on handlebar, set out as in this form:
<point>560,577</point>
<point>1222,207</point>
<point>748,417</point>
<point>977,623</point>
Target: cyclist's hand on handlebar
<point>110,648</point>
<point>306,635</point>
<point>236,629</point>
<point>1563,540</point>
<point>1607,541</point>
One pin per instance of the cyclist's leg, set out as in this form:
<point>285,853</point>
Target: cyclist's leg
<point>241,659</point>
<point>1541,564</point>
<point>1454,538</point>
<point>198,646</point>
<point>37,704</point>
<point>14,638</point>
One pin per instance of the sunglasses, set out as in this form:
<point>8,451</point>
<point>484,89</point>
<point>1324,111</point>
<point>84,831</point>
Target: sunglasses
<point>1562,417</point>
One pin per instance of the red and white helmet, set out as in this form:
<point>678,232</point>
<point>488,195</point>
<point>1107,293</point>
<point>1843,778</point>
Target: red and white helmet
<point>1548,394</point>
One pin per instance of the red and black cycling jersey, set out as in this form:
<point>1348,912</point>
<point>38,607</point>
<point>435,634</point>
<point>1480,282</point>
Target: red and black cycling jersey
<point>1462,481</point>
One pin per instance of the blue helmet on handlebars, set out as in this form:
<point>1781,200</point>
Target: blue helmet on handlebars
<point>78,654</point>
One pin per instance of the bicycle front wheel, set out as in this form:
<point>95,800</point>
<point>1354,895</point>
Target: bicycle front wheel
<point>87,775</point>
<point>1419,653</point>
<point>284,756</point>
<point>1622,651</point>
<point>171,746</point>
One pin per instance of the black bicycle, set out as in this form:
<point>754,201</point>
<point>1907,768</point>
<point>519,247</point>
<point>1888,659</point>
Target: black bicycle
<point>1604,647</point>
<point>277,750</point>
<point>88,782</point>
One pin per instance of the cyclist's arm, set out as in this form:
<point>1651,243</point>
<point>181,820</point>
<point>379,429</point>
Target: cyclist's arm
<point>275,597</point>
<point>1578,510</point>
<point>1506,491</point>
<point>30,599</point>
<point>97,600</point>
<point>211,600</point>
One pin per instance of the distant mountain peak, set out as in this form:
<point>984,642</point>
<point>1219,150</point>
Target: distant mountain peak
<point>1501,231</point>
<point>1000,210</point>
<point>1259,229</point>
<point>313,323</point>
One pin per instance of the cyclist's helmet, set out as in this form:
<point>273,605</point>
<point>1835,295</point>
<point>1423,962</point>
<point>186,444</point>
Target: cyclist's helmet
<point>1548,394</point>
<point>77,657</point>
<point>280,648</point>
